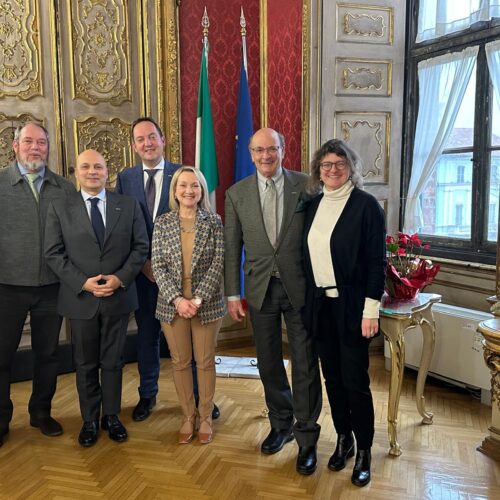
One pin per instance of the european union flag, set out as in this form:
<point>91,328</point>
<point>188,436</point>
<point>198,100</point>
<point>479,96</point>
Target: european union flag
<point>244,129</point>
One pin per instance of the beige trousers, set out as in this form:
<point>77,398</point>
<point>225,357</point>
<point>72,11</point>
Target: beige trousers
<point>186,337</point>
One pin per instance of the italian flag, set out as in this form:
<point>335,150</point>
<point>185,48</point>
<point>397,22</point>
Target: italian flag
<point>206,156</point>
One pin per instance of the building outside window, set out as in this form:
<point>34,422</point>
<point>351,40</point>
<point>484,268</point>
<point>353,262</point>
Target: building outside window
<point>452,150</point>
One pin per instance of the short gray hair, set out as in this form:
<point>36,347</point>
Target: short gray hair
<point>20,128</point>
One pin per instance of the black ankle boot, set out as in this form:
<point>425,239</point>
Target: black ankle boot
<point>343,451</point>
<point>361,473</point>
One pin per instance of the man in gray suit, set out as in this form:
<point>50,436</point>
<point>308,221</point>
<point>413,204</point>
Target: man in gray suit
<point>96,242</point>
<point>27,285</point>
<point>264,212</point>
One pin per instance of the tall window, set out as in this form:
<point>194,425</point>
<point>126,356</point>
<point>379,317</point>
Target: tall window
<point>452,151</point>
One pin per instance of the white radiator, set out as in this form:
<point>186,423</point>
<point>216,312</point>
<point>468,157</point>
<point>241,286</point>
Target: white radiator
<point>458,354</point>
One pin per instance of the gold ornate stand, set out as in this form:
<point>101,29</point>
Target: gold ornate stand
<point>396,318</point>
<point>490,330</point>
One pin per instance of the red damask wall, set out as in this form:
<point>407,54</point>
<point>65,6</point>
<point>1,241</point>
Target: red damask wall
<point>284,64</point>
<point>284,75</point>
<point>223,73</point>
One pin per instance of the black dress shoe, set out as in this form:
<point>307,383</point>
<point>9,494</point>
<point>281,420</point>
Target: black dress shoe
<point>3,432</point>
<point>47,425</point>
<point>306,460</point>
<point>215,412</point>
<point>115,428</point>
<point>88,433</point>
<point>276,439</point>
<point>361,473</point>
<point>343,451</point>
<point>143,409</point>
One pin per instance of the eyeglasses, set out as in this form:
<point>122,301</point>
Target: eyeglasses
<point>272,150</point>
<point>328,165</point>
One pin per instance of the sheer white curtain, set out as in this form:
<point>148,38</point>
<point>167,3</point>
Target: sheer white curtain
<point>442,84</point>
<point>440,17</point>
<point>493,58</point>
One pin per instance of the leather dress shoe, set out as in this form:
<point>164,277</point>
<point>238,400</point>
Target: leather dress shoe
<point>343,451</point>
<point>3,432</point>
<point>215,412</point>
<point>88,433</point>
<point>306,460</point>
<point>47,426</point>
<point>115,428</point>
<point>275,440</point>
<point>361,474</point>
<point>143,409</point>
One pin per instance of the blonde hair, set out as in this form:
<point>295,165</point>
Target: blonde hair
<point>204,202</point>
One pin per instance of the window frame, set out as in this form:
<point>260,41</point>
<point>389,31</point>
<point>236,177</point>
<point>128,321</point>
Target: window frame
<point>477,249</point>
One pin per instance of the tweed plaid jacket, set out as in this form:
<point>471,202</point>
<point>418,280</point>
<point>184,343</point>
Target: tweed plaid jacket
<point>206,267</point>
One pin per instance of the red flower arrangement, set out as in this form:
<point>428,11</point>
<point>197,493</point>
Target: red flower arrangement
<point>406,272</point>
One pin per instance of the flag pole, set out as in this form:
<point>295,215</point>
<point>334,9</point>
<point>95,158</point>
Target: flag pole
<point>206,155</point>
<point>243,25</point>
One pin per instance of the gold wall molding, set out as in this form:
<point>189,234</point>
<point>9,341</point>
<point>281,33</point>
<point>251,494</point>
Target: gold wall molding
<point>110,137</point>
<point>369,77</point>
<point>169,77</point>
<point>263,63</point>
<point>100,52</point>
<point>368,132</point>
<point>20,49</point>
<point>306,82</point>
<point>365,23</point>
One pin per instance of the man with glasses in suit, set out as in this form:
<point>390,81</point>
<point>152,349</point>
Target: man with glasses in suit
<point>265,213</point>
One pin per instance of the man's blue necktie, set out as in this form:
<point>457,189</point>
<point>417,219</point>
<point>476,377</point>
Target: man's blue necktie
<point>97,222</point>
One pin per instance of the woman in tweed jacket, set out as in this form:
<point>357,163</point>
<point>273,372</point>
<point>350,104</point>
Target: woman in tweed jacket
<point>188,261</point>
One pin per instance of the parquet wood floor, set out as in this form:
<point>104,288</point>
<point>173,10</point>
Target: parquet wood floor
<point>439,461</point>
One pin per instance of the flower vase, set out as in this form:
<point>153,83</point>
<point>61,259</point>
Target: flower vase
<point>397,289</point>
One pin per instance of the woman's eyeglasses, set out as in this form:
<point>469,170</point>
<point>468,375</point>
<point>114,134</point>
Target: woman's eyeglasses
<point>328,165</point>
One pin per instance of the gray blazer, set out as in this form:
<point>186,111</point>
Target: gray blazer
<point>22,221</point>
<point>244,225</point>
<point>73,253</point>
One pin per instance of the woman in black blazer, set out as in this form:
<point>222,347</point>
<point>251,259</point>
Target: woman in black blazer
<point>344,244</point>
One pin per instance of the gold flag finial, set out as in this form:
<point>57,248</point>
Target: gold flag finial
<point>205,22</point>
<point>243,23</point>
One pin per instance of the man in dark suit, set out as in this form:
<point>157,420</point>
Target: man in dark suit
<point>265,213</point>
<point>149,184</point>
<point>96,243</point>
<point>27,285</point>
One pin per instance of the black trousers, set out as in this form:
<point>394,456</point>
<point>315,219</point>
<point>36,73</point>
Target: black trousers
<point>15,304</point>
<point>98,345</point>
<point>305,405</point>
<point>347,382</point>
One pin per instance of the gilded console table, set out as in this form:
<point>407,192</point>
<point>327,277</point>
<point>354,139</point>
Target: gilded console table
<point>396,318</point>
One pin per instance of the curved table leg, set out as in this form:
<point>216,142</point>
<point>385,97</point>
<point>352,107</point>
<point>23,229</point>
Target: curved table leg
<point>394,332</point>
<point>426,321</point>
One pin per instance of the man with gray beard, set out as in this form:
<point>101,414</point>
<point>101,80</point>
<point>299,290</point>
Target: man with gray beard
<point>27,285</point>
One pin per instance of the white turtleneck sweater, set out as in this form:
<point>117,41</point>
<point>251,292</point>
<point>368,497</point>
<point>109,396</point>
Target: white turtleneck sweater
<point>329,210</point>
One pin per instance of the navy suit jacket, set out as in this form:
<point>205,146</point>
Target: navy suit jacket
<point>131,182</point>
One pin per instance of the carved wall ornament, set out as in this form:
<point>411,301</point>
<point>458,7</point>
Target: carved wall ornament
<point>174,140</point>
<point>100,53</point>
<point>19,49</point>
<point>364,23</point>
<point>367,77</point>
<point>492,360</point>
<point>110,138</point>
<point>368,133</point>
<point>8,124</point>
